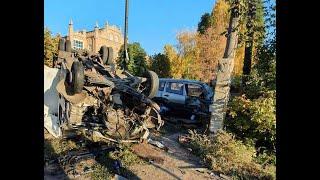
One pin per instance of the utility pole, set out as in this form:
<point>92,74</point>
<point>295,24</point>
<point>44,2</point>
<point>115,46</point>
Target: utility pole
<point>125,55</point>
<point>225,68</point>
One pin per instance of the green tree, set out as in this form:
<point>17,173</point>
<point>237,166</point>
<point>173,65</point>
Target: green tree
<point>50,47</point>
<point>205,23</point>
<point>160,63</point>
<point>252,116</point>
<point>137,58</point>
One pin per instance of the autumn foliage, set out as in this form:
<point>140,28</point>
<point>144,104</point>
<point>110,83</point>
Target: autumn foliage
<point>50,47</point>
<point>196,54</point>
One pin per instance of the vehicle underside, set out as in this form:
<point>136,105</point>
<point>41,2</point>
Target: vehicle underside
<point>101,102</point>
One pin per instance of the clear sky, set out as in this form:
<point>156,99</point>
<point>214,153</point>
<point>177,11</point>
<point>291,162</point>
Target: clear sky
<point>152,23</point>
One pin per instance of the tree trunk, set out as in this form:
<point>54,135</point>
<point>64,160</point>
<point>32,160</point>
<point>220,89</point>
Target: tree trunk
<point>248,55</point>
<point>225,68</point>
<point>249,42</point>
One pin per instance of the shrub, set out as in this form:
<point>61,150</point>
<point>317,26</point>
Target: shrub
<point>254,120</point>
<point>126,156</point>
<point>100,173</point>
<point>224,154</point>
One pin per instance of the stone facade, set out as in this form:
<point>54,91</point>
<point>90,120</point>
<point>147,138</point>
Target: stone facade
<point>109,35</point>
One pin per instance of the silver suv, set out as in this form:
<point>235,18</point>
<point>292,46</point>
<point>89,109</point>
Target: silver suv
<point>188,98</point>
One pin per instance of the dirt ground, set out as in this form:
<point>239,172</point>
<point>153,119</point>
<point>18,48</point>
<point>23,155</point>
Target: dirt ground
<point>175,163</point>
<point>172,162</point>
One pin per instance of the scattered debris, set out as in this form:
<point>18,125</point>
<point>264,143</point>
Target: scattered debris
<point>225,177</point>
<point>117,166</point>
<point>202,170</point>
<point>118,177</point>
<point>80,162</point>
<point>156,143</point>
<point>148,153</point>
<point>183,139</point>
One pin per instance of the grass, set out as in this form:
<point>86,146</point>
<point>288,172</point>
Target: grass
<point>55,147</point>
<point>101,173</point>
<point>126,156</point>
<point>104,169</point>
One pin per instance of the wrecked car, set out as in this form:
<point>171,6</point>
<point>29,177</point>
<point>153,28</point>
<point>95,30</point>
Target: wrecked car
<point>189,99</point>
<point>85,92</point>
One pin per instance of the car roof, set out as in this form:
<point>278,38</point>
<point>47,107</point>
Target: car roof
<point>181,80</point>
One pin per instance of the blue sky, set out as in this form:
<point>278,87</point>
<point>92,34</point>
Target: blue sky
<point>151,23</point>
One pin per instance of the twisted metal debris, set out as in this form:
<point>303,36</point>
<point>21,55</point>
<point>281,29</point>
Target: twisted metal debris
<point>102,102</point>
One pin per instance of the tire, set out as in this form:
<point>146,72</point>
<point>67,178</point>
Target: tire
<point>62,44</point>
<point>68,46</point>
<point>104,54</point>
<point>152,83</point>
<point>77,82</point>
<point>110,56</point>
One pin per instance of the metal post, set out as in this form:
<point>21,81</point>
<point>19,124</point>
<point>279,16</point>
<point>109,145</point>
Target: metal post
<point>126,58</point>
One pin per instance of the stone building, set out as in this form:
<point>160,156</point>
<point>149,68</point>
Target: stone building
<point>109,35</point>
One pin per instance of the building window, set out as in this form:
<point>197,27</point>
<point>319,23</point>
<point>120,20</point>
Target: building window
<point>77,44</point>
<point>110,37</point>
<point>116,38</point>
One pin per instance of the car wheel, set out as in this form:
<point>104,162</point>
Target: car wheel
<point>110,56</point>
<point>77,81</point>
<point>68,46</point>
<point>62,44</point>
<point>151,85</point>
<point>104,54</point>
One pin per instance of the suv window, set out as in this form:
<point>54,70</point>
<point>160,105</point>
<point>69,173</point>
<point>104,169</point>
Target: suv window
<point>194,90</point>
<point>161,85</point>
<point>176,88</point>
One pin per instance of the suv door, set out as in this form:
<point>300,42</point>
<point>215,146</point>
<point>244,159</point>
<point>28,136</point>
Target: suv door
<point>175,93</point>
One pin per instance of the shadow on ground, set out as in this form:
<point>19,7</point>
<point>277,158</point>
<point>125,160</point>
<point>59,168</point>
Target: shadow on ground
<point>52,168</point>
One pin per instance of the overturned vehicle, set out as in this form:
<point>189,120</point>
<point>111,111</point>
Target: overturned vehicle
<point>86,93</point>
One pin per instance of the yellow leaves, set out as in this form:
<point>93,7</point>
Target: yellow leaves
<point>238,61</point>
<point>196,55</point>
<point>184,58</point>
<point>221,15</point>
<point>171,53</point>
<point>50,46</point>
